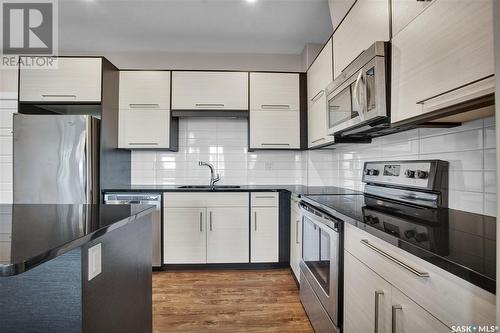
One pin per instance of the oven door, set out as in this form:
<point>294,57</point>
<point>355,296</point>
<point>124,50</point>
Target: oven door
<point>358,100</point>
<point>320,258</point>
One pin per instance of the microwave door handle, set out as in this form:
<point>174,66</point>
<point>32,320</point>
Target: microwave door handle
<point>357,95</point>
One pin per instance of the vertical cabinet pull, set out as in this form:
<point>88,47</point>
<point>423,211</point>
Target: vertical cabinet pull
<point>201,221</point>
<point>297,233</point>
<point>210,221</point>
<point>378,293</point>
<point>255,220</point>
<point>395,309</point>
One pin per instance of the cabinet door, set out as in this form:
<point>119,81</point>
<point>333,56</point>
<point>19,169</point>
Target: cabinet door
<point>367,299</point>
<point>295,239</point>
<point>436,58</point>
<point>404,11</point>
<point>145,89</point>
<point>227,235</point>
<point>275,129</point>
<point>367,22</point>
<point>144,128</point>
<point>209,90</point>
<point>409,317</point>
<point>264,234</point>
<point>317,123</point>
<point>320,73</point>
<point>274,91</point>
<point>74,80</point>
<point>184,235</point>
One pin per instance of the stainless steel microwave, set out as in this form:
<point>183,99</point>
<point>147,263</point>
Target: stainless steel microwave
<point>358,97</point>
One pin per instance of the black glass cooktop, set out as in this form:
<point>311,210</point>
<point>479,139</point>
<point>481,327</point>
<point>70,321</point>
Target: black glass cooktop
<point>460,242</point>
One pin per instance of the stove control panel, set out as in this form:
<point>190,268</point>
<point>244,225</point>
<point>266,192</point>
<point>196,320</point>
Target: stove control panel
<point>401,173</point>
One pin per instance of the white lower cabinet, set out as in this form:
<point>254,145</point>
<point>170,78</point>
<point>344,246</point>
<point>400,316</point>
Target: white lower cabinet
<point>202,228</point>
<point>264,226</point>
<point>227,235</point>
<point>295,238</point>
<point>184,238</point>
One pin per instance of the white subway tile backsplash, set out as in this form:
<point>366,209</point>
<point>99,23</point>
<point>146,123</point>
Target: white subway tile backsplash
<point>466,140</point>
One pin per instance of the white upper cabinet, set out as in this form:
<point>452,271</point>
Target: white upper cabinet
<point>144,110</point>
<point>443,57</point>
<point>274,91</point>
<point>73,80</point>
<point>366,23</point>
<point>209,90</point>
<point>145,89</point>
<point>274,111</point>
<point>319,76</point>
<point>404,11</point>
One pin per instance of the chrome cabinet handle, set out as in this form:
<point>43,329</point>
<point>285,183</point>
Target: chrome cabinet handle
<point>255,220</point>
<point>394,260</point>
<point>275,106</point>
<point>201,222</point>
<point>209,105</point>
<point>264,197</point>
<point>297,232</point>
<point>143,143</point>
<point>210,221</point>
<point>275,144</point>
<point>144,106</point>
<point>378,293</point>
<point>317,96</point>
<point>58,95</point>
<point>395,309</point>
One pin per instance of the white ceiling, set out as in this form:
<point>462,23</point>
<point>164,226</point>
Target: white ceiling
<point>192,26</point>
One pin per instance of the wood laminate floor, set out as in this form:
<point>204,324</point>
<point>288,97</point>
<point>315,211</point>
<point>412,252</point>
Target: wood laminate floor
<point>227,301</point>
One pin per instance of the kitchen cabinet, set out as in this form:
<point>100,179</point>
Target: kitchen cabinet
<point>366,23</point>
<point>404,11</point>
<point>202,228</point>
<point>264,226</point>
<point>367,298</point>
<point>227,235</point>
<point>205,90</point>
<point>144,116</point>
<point>295,237</point>
<point>274,111</point>
<point>184,236</point>
<point>432,295</point>
<point>73,80</point>
<point>438,61</point>
<point>319,75</point>
<point>409,317</point>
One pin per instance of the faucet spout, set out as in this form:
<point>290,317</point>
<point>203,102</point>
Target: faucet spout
<point>213,179</point>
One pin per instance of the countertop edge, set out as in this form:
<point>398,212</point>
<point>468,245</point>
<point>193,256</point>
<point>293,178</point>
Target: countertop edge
<point>13,269</point>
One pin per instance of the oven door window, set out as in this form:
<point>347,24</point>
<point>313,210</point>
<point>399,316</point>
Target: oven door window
<point>316,253</point>
<point>340,107</point>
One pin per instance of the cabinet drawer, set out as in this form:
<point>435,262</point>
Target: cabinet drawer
<point>275,129</point>
<point>74,80</point>
<point>190,199</point>
<point>265,199</point>
<point>274,91</point>
<point>443,294</point>
<point>210,90</point>
<point>145,89</point>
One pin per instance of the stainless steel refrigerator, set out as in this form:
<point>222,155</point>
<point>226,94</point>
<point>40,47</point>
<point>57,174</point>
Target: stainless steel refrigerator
<point>56,159</point>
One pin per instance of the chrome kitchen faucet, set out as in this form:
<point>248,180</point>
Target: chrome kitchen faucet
<point>213,179</point>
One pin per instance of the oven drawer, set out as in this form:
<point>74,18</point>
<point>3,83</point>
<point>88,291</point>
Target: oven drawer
<point>449,298</point>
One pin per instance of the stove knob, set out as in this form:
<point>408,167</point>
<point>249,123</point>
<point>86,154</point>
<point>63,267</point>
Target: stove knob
<point>420,174</point>
<point>375,172</point>
<point>367,172</point>
<point>410,234</point>
<point>421,237</point>
<point>410,173</point>
<point>375,220</point>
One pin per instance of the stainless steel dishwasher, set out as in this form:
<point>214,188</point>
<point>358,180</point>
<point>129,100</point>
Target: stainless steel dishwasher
<point>144,199</point>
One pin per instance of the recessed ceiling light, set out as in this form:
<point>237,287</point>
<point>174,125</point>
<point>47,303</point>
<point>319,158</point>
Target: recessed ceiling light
<point>251,1</point>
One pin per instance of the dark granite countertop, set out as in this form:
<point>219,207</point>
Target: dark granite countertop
<point>31,234</point>
<point>461,243</point>
<point>297,189</point>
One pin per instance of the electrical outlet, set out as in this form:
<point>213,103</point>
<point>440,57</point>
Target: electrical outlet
<point>94,261</point>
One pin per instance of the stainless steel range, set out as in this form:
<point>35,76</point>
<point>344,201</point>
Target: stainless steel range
<point>402,201</point>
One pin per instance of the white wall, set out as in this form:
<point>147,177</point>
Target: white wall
<point>222,142</point>
<point>470,149</point>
